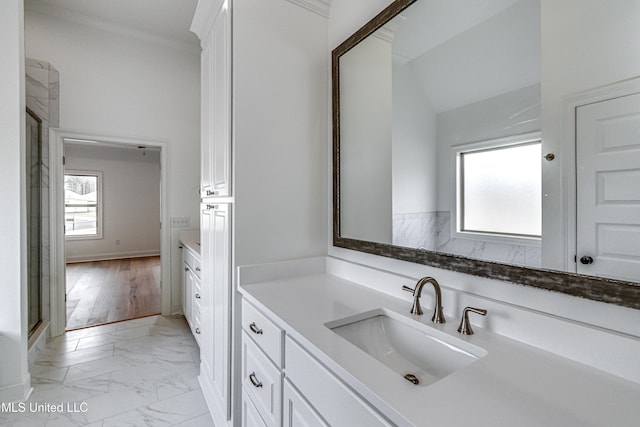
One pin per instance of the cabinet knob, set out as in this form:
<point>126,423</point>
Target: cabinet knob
<point>198,331</point>
<point>197,296</point>
<point>197,268</point>
<point>255,329</point>
<point>254,380</point>
<point>186,269</point>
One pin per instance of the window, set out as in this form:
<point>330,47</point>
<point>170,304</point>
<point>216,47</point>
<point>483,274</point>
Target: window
<point>82,205</point>
<point>499,188</point>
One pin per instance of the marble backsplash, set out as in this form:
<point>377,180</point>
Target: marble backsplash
<point>432,231</point>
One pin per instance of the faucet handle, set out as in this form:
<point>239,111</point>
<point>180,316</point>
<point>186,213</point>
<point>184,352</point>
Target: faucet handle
<point>416,308</point>
<point>465,325</point>
<point>408,289</point>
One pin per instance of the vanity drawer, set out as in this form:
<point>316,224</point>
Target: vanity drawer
<point>262,382</point>
<point>196,294</point>
<point>197,266</point>
<point>195,324</point>
<point>263,331</point>
<point>330,397</point>
<point>189,258</point>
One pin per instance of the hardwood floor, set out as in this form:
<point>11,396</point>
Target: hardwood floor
<point>101,292</point>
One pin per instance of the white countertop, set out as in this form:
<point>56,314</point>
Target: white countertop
<point>192,245</point>
<point>513,385</point>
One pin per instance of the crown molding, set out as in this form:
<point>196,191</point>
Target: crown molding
<point>319,7</point>
<point>204,17</point>
<point>110,26</point>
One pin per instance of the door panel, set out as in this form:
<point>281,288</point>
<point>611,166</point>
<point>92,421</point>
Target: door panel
<point>608,196</point>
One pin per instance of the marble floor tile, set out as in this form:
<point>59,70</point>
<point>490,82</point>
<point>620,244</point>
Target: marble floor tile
<point>168,412</point>
<point>75,357</point>
<point>141,372</point>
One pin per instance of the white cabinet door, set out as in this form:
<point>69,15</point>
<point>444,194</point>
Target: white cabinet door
<point>250,415</point>
<point>297,412</point>
<point>206,121</point>
<point>329,396</point>
<point>216,107</point>
<point>215,351</point>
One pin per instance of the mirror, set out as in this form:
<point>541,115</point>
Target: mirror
<point>438,151</point>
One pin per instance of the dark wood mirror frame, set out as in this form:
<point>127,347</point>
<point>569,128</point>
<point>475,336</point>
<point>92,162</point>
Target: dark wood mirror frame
<point>617,292</point>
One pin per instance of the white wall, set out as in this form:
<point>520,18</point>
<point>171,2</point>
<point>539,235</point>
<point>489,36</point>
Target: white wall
<point>512,113</point>
<point>365,153</point>
<point>577,54</point>
<point>280,131</point>
<point>414,147</point>
<point>586,44</point>
<point>121,86</point>
<point>14,378</point>
<point>130,201</point>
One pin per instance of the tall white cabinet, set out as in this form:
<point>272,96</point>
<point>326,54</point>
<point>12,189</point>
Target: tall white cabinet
<point>212,24</point>
<point>264,159</point>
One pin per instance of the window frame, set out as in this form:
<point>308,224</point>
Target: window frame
<point>457,208</point>
<point>99,205</point>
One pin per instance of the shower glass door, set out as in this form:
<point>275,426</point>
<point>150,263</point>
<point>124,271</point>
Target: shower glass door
<point>34,218</point>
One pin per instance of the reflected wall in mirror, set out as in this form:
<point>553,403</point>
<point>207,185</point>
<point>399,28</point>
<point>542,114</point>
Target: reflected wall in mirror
<point>438,150</point>
<point>428,102</point>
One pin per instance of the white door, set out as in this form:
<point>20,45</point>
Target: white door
<point>608,193</point>
<point>215,325</point>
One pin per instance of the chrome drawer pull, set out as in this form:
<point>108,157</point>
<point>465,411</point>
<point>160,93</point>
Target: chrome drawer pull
<point>255,329</point>
<point>254,380</point>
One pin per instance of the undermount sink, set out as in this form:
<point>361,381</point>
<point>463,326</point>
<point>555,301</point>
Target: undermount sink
<point>419,353</point>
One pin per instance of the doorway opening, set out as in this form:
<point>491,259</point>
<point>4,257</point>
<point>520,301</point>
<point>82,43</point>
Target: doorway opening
<point>111,254</point>
<point>111,232</point>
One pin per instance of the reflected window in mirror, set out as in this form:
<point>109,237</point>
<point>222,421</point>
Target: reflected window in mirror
<point>422,79</point>
<point>499,189</point>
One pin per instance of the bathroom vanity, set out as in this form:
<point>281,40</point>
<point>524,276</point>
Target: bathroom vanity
<point>191,285</point>
<point>299,365</point>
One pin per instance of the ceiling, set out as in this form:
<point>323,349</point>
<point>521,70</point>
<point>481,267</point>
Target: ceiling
<point>463,52</point>
<point>161,20</point>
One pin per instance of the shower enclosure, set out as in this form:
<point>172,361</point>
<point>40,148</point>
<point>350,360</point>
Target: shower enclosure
<point>34,185</point>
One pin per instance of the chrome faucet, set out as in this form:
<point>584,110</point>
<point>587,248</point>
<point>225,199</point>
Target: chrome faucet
<point>438,315</point>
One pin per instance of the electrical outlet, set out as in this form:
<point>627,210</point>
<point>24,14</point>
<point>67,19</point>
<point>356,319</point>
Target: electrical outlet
<point>180,221</point>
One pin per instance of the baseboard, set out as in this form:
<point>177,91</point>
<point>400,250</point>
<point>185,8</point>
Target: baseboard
<point>16,392</point>
<point>38,341</point>
<point>216,410</point>
<point>112,256</point>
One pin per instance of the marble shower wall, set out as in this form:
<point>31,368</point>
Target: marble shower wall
<point>432,231</point>
<point>42,97</point>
